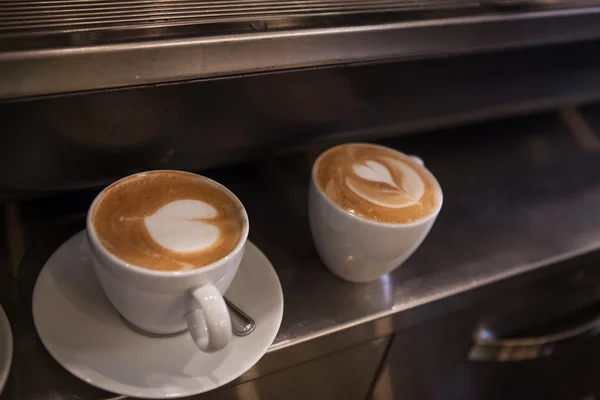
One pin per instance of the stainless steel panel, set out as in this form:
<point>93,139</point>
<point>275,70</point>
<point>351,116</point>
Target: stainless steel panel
<point>431,361</point>
<point>22,17</point>
<point>346,375</point>
<point>520,195</point>
<point>422,362</point>
<point>81,63</point>
<point>69,142</point>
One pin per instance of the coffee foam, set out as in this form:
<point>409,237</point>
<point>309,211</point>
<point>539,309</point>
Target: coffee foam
<point>167,220</point>
<point>378,183</point>
<point>182,226</point>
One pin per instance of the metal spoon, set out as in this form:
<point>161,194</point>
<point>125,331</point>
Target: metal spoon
<point>241,323</point>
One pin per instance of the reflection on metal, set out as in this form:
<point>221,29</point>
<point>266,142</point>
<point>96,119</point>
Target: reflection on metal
<point>581,131</point>
<point>491,353</point>
<point>241,323</point>
<point>384,388</point>
<point>14,236</point>
<point>85,64</point>
<point>246,391</point>
<point>487,348</point>
<point>347,375</point>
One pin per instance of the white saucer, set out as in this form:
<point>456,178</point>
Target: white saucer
<point>85,334</point>
<point>6,348</point>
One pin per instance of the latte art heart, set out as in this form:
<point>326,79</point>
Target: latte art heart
<point>377,182</point>
<point>168,220</point>
<point>180,226</point>
<point>374,171</point>
<point>405,193</point>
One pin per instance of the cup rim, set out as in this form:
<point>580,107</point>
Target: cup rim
<point>93,236</point>
<point>338,208</point>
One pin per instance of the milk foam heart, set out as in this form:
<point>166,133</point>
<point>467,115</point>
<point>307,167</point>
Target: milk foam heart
<point>407,193</point>
<point>377,183</point>
<point>168,221</point>
<point>178,226</point>
<point>373,171</point>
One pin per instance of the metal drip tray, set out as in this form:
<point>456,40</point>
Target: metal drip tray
<point>60,46</point>
<point>58,16</point>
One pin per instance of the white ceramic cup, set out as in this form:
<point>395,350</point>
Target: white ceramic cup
<point>169,302</point>
<point>358,249</point>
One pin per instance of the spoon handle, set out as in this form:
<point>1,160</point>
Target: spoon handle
<point>241,323</point>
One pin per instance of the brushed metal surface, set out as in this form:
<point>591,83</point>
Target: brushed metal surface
<point>87,140</point>
<point>520,195</point>
<point>347,374</point>
<point>432,360</point>
<point>59,15</point>
<point>84,62</point>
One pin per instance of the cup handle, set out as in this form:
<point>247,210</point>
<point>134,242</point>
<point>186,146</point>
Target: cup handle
<point>208,318</point>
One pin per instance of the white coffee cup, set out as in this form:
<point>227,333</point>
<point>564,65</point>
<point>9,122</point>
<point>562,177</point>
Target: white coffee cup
<point>358,249</point>
<point>169,302</point>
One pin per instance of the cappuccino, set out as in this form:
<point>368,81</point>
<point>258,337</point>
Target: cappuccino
<point>168,220</point>
<point>377,183</point>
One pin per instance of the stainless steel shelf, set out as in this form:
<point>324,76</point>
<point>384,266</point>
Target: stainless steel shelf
<point>519,196</point>
<point>50,47</point>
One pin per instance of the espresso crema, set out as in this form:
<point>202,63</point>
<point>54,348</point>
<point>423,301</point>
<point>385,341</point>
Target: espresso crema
<point>377,183</point>
<point>168,221</point>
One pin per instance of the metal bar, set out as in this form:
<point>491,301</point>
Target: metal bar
<point>38,72</point>
<point>226,4</point>
<point>133,4</point>
<point>68,19</point>
<point>221,5</point>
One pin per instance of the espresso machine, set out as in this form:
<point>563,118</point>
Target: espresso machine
<point>500,99</point>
